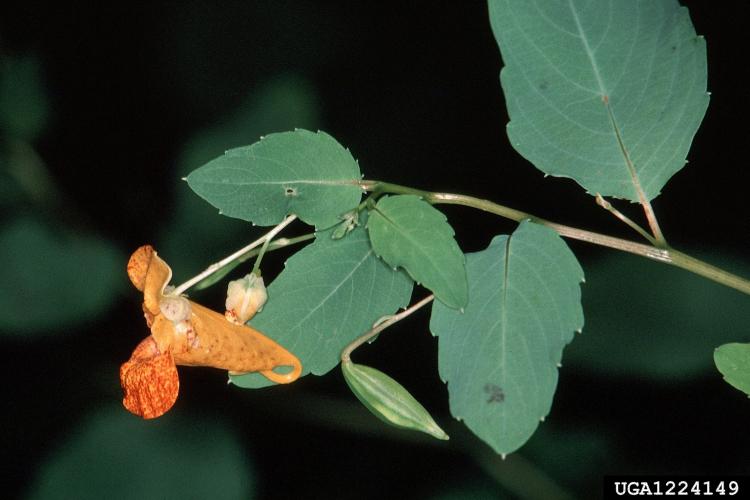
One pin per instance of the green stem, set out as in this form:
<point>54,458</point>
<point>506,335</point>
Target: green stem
<point>279,243</point>
<point>381,325</point>
<point>213,268</point>
<point>274,245</point>
<point>256,266</point>
<point>666,255</point>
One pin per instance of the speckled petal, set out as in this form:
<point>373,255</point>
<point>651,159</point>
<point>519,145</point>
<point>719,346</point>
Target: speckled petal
<point>150,381</point>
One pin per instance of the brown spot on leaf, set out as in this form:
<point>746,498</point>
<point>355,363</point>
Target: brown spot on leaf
<point>494,393</point>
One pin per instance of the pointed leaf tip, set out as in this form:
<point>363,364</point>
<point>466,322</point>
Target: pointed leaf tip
<point>251,182</point>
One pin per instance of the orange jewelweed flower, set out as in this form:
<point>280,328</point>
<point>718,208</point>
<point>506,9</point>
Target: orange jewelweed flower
<point>186,333</point>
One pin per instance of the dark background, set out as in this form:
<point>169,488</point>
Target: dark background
<point>138,95</point>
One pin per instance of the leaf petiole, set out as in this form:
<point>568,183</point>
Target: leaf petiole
<point>261,253</point>
<point>638,229</point>
<point>274,245</point>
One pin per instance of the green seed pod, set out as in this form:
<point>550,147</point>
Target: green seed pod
<point>388,399</point>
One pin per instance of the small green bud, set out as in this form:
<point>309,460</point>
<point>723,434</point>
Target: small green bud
<point>350,221</point>
<point>389,400</point>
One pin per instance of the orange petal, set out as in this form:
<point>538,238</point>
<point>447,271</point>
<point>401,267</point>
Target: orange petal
<point>150,381</point>
<point>222,344</point>
<point>149,274</point>
<point>138,265</point>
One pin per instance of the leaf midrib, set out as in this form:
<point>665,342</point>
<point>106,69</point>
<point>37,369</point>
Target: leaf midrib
<point>587,48</point>
<point>634,179</point>
<point>504,319</point>
<point>445,278</point>
<point>334,290</point>
<point>324,182</point>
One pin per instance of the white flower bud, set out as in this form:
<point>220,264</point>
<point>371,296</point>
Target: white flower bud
<point>245,297</point>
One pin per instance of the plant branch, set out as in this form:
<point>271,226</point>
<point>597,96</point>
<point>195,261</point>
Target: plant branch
<point>666,255</point>
<point>231,258</point>
<point>381,325</point>
<point>274,245</point>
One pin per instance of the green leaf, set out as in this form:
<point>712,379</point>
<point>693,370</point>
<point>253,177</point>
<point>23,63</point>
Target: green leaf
<point>51,282</point>
<point>388,400</point>
<point>194,233</point>
<point>609,93</point>
<point>115,455</point>
<point>650,320</point>
<point>409,232</point>
<point>733,361</point>
<point>329,293</point>
<point>500,357</point>
<point>24,106</point>
<point>304,173</point>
